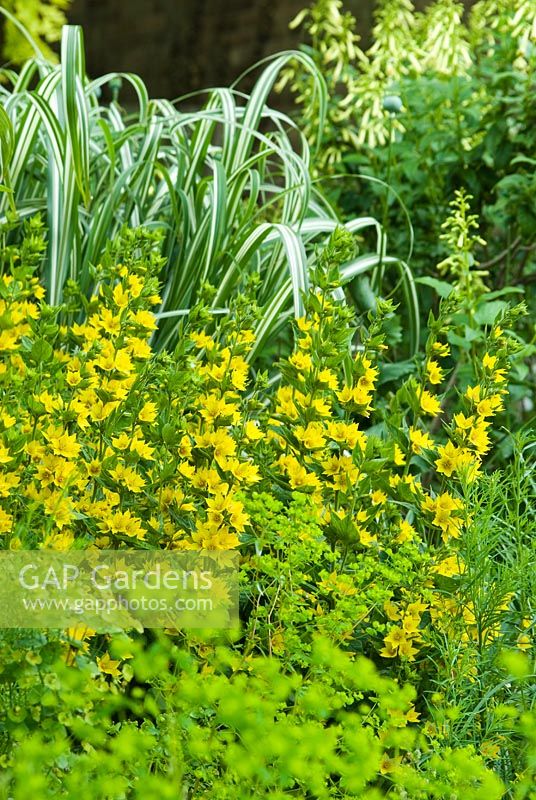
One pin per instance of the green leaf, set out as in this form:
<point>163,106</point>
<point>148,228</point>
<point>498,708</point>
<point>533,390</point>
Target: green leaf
<point>487,313</point>
<point>41,351</point>
<point>442,288</point>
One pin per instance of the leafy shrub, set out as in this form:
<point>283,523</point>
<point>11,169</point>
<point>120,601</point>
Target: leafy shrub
<point>184,730</point>
<point>438,103</point>
<point>386,637</point>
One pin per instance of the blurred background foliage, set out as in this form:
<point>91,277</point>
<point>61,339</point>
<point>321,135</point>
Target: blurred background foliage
<point>176,46</point>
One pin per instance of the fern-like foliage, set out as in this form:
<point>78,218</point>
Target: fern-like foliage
<point>43,19</point>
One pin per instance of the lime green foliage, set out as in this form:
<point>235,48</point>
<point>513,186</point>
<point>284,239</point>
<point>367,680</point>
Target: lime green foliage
<point>42,20</point>
<point>204,722</point>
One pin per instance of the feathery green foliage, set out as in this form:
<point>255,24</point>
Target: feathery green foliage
<point>31,26</point>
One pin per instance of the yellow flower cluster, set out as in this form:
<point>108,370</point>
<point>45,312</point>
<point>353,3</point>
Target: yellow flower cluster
<point>91,444</point>
<point>104,441</point>
<point>403,638</point>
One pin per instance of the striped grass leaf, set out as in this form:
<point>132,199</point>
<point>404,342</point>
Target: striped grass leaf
<point>222,175</point>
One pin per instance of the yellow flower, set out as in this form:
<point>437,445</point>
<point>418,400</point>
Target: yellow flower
<point>185,447</point>
<point>473,393</point>
<point>488,406</point>
<point>463,423</point>
<point>392,611</point>
<point>145,319</point>
<point>398,641</point>
<point>346,476</point>
<point>406,532</point>
<point>304,324</point>
<point>99,412</point>
<point>365,537</point>
<point>120,296</point>
<point>448,460</point>
<point>252,431</point>
<point>346,395</point>
<point>429,404</point>
<point>312,437</point>
<point>441,350</point>
<point>488,362</point>
<point>319,404</point>
<point>148,412</point>
<point>62,443</point>
<point>434,372</point>
<point>399,458</point>
<point>328,377</point>
<point>122,362</point>
<point>412,715</point>
<point>243,471</point>
<point>420,440</point>
<point>135,285</point>
<point>298,476</point>
<point>93,468</point>
<point>59,508</point>
<point>108,666</point>
<point>410,624</point>
<point>347,434</point>
<point>139,446</point>
<point>444,508</point>
<point>203,341</point>
<point>450,567</point>
<point>109,322</point>
<point>246,337</point>
<point>7,420</point>
<point>378,498</point>
<point>139,348</point>
<point>128,477</point>
<point>361,396</point>
<point>50,403</point>
<point>389,764</point>
<point>301,361</point>
<point>187,470</point>
<point>121,442</point>
<point>214,407</point>
<point>239,373</point>
<point>407,650</point>
<point>5,456</point>
<point>479,438</point>
<point>524,642</point>
<point>6,521</point>
<point>223,444</point>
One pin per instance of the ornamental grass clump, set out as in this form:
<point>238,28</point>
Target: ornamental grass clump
<point>227,183</point>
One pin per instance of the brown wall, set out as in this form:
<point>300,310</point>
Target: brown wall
<point>183,45</point>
